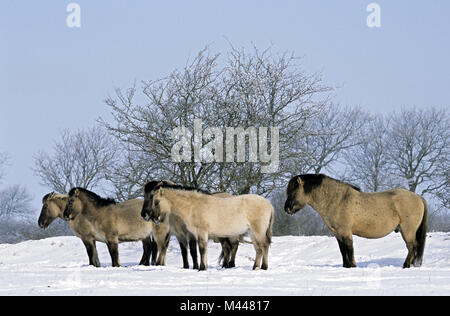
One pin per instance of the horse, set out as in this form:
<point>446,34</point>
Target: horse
<point>53,206</point>
<point>206,215</point>
<point>187,240</point>
<point>348,211</point>
<point>93,218</point>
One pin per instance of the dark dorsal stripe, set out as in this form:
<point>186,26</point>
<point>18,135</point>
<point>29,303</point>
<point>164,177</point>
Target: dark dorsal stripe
<point>155,185</point>
<point>312,181</point>
<point>96,199</point>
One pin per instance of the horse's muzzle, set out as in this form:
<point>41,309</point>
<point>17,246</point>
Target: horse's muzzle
<point>289,208</point>
<point>146,216</point>
<point>42,225</point>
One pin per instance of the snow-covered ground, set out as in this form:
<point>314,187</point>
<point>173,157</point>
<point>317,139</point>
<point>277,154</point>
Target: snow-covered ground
<point>297,266</point>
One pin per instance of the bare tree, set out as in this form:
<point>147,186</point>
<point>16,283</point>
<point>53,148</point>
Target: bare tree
<point>419,142</point>
<point>335,131</point>
<point>15,201</point>
<point>80,158</point>
<point>368,163</point>
<point>254,89</point>
<point>443,192</point>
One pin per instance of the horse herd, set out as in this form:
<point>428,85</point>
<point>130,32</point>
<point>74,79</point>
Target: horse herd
<point>194,216</point>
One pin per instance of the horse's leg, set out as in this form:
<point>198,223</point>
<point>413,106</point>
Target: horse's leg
<point>203,247</point>
<point>193,251</point>
<point>183,246</point>
<point>410,239</point>
<point>258,250</point>
<point>226,251</point>
<point>113,247</point>
<point>234,249</point>
<point>92,252</point>
<point>163,244</point>
<point>348,241</point>
<point>265,258</point>
<point>346,247</point>
<point>257,264</point>
<point>343,250</point>
<point>154,251</point>
<point>147,247</point>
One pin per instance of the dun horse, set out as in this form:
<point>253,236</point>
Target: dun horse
<point>230,245</point>
<point>188,240</point>
<point>347,211</point>
<point>53,206</point>
<point>93,218</point>
<point>206,215</point>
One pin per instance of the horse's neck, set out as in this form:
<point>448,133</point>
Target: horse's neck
<point>61,206</point>
<point>178,201</point>
<point>90,211</point>
<point>321,197</point>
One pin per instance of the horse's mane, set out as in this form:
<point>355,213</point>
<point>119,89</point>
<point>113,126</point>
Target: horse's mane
<point>155,185</point>
<point>53,195</point>
<point>312,181</point>
<point>46,197</point>
<point>96,199</point>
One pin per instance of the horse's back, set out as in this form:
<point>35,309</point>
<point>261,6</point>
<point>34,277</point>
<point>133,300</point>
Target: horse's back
<point>233,215</point>
<point>257,206</point>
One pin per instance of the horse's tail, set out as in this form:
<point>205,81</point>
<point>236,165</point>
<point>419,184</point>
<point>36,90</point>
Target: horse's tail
<point>421,235</point>
<point>269,229</point>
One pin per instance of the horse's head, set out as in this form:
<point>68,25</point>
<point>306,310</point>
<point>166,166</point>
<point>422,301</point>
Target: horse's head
<point>52,207</point>
<point>296,197</point>
<point>74,205</point>
<point>155,206</point>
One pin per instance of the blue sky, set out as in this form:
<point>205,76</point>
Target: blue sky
<point>54,77</point>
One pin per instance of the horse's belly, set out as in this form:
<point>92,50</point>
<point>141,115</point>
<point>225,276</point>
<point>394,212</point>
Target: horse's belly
<point>373,229</point>
<point>225,229</point>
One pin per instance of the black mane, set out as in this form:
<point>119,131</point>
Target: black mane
<point>46,197</point>
<point>155,185</point>
<point>312,181</point>
<point>96,199</point>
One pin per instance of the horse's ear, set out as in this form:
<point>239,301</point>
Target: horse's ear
<point>76,193</point>
<point>52,195</point>
<point>299,181</point>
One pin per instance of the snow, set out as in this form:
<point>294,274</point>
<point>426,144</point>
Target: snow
<point>297,266</point>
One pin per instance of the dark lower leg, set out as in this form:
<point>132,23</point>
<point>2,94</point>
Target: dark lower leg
<point>113,248</point>
<point>91,250</point>
<point>234,249</point>
<point>410,257</point>
<point>193,251</point>
<point>146,245</point>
